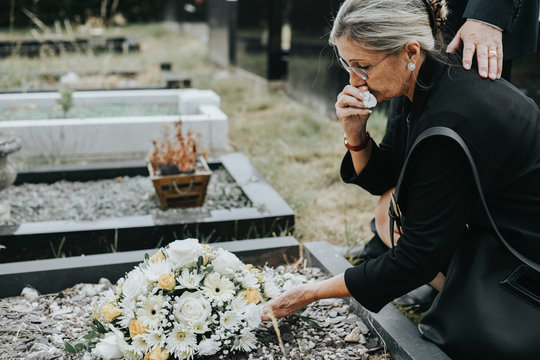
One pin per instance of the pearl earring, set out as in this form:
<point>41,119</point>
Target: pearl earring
<point>411,66</point>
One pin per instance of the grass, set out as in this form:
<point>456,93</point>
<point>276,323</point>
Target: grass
<point>296,149</point>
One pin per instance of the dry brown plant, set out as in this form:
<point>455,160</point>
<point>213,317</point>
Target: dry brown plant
<point>182,151</point>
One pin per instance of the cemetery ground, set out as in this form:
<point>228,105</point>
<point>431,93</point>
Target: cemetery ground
<point>296,149</point>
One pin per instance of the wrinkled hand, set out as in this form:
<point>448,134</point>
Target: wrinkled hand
<point>484,40</point>
<point>289,302</point>
<point>352,114</point>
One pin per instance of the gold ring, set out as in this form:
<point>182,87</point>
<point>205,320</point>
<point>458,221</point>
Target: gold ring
<point>492,53</point>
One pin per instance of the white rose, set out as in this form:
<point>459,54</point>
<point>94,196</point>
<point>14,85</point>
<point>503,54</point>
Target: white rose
<point>185,252</point>
<point>227,263</point>
<point>253,315</point>
<point>192,308</point>
<point>208,347</point>
<point>109,348</point>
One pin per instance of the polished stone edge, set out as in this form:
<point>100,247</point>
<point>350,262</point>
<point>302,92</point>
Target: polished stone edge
<point>53,275</point>
<point>400,336</point>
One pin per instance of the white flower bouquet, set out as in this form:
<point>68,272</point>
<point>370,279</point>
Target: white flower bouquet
<point>187,300</point>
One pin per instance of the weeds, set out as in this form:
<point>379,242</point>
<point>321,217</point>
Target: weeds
<point>58,253</point>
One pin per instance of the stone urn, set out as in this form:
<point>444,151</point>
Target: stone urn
<point>8,171</point>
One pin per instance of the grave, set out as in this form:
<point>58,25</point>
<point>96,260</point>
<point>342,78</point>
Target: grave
<point>112,137</point>
<point>268,214</point>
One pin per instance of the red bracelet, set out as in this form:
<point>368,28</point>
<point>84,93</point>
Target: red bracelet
<point>359,147</point>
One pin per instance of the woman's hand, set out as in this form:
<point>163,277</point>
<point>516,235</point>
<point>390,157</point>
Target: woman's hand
<point>289,302</point>
<point>301,296</point>
<point>352,113</point>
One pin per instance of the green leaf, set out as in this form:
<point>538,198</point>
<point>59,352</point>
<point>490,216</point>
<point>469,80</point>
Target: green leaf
<point>91,335</point>
<point>99,327</point>
<point>200,261</point>
<point>80,347</point>
<point>146,256</point>
<point>311,322</point>
<point>69,348</point>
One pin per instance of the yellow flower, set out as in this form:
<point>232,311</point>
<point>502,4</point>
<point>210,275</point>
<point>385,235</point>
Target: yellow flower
<point>136,328</point>
<point>157,257</point>
<point>110,311</point>
<point>166,281</point>
<point>207,248</point>
<point>157,354</point>
<point>248,267</point>
<point>252,296</point>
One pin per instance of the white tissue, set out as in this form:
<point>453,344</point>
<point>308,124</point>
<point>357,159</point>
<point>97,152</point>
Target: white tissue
<point>369,100</point>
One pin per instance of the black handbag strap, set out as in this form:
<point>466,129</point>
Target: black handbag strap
<point>444,131</point>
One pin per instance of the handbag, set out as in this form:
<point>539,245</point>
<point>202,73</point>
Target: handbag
<point>489,307</point>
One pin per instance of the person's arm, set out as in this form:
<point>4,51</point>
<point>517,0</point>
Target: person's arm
<point>301,296</point>
<point>440,197</point>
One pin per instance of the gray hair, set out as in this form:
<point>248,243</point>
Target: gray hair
<point>387,25</point>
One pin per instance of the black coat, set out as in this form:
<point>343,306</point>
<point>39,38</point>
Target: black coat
<point>501,127</point>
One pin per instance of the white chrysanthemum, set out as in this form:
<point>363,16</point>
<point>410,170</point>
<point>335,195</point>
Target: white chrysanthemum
<point>253,315</point>
<point>248,280</point>
<point>209,347</point>
<point>128,307</point>
<point>189,279</point>
<point>140,345</point>
<point>218,289</point>
<point>226,263</point>
<point>200,327</point>
<point>134,284</point>
<point>184,252</point>
<point>271,290</point>
<point>153,339</point>
<point>238,304</point>
<point>151,311</point>
<point>154,270</point>
<point>290,281</point>
<point>229,320</point>
<point>181,342</point>
<point>130,353</point>
<point>192,308</point>
<point>245,342</point>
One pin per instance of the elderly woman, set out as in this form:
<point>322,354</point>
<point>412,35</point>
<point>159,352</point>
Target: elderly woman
<point>392,48</point>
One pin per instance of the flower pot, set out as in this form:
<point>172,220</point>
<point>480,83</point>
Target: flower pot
<point>182,190</point>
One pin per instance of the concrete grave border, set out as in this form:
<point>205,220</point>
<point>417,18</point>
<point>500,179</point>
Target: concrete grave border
<point>400,336</point>
<point>269,212</point>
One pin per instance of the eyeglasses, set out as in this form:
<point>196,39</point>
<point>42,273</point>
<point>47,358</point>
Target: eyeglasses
<point>362,72</point>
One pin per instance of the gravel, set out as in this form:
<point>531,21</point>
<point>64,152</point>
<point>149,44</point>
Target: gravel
<point>119,197</point>
<point>34,326</point>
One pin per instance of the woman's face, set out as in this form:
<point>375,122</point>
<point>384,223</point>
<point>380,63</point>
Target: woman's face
<point>388,74</point>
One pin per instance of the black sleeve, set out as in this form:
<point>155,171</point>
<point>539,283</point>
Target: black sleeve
<point>376,177</point>
<point>439,193</point>
<point>502,13</point>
